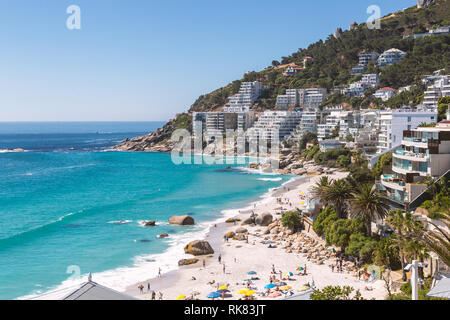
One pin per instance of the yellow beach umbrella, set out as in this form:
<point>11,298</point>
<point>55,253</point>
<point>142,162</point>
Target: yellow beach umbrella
<point>242,291</point>
<point>285,288</point>
<point>181,297</point>
<point>223,288</point>
<point>250,293</point>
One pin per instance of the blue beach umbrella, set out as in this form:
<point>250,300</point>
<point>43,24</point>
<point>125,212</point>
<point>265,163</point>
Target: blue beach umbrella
<point>251,272</point>
<point>223,290</point>
<point>269,286</point>
<point>213,295</point>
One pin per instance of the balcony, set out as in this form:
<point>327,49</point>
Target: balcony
<point>412,156</point>
<point>393,182</point>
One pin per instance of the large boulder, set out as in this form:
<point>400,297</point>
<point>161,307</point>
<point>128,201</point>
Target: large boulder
<point>232,220</point>
<point>264,219</point>
<point>247,221</point>
<point>149,223</point>
<point>240,237</point>
<point>163,235</point>
<point>198,248</point>
<point>185,262</point>
<point>182,220</point>
<point>241,230</point>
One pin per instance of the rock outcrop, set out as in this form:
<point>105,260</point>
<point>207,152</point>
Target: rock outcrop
<point>182,220</point>
<point>149,223</point>
<point>163,235</point>
<point>264,219</point>
<point>185,262</point>
<point>241,230</point>
<point>198,248</point>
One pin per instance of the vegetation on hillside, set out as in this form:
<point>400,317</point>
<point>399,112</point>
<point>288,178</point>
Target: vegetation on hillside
<point>333,59</point>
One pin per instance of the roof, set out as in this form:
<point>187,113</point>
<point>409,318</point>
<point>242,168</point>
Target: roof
<point>87,291</point>
<point>441,289</point>
<point>386,89</point>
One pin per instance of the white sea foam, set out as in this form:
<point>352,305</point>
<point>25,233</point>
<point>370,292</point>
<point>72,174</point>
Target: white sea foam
<point>146,266</point>
<point>270,179</point>
<point>120,221</point>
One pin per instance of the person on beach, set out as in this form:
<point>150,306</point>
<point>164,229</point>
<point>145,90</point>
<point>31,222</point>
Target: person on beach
<point>159,272</point>
<point>219,258</point>
<point>160,295</point>
<point>148,287</point>
<point>304,270</point>
<point>223,268</point>
<point>332,268</point>
<point>204,263</point>
<point>153,295</point>
<point>141,288</point>
<point>273,268</point>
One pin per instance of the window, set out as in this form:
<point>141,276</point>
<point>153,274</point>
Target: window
<point>432,118</point>
<point>409,127</point>
<point>409,119</point>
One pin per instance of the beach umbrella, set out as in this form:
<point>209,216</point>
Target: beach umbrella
<point>222,287</point>
<point>250,293</point>
<point>213,295</point>
<point>289,274</point>
<point>251,272</point>
<point>269,286</point>
<point>242,291</point>
<point>282,283</point>
<point>223,290</point>
<point>195,293</point>
<point>181,297</point>
<point>285,288</point>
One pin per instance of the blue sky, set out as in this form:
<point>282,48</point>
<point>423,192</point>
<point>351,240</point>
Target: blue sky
<point>148,60</point>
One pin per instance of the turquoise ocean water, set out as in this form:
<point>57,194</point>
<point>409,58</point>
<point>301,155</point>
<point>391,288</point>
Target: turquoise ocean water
<point>60,202</point>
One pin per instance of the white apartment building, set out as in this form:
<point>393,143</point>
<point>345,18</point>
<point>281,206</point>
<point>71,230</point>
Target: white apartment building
<point>390,56</point>
<point>312,98</point>
<point>424,152</point>
<point>249,92</point>
<point>288,100</point>
<point>330,125</point>
<point>364,59</point>
<point>274,124</point>
<point>392,123</point>
<point>308,122</point>
<point>440,88</point>
<point>356,89</point>
<point>384,93</point>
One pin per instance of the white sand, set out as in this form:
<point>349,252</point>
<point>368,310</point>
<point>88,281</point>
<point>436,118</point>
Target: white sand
<point>240,257</point>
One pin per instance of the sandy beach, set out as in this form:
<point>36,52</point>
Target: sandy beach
<point>240,257</point>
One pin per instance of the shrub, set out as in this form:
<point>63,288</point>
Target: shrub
<point>291,219</point>
<point>324,219</point>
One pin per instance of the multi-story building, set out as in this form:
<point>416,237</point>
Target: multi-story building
<point>312,98</point>
<point>424,152</point>
<point>272,124</point>
<point>384,93</point>
<point>218,122</point>
<point>364,59</point>
<point>292,70</point>
<point>356,89</point>
<point>331,124</point>
<point>249,92</point>
<point>440,88</point>
<point>309,121</point>
<point>390,56</point>
<point>288,100</point>
<point>392,123</point>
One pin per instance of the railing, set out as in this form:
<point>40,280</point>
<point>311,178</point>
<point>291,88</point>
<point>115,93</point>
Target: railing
<point>426,194</point>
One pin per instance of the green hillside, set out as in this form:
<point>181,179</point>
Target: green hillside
<point>333,59</point>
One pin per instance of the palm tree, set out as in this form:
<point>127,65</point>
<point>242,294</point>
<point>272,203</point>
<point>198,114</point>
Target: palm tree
<point>406,226</point>
<point>337,194</point>
<point>369,204</point>
<point>321,189</point>
<point>438,239</point>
